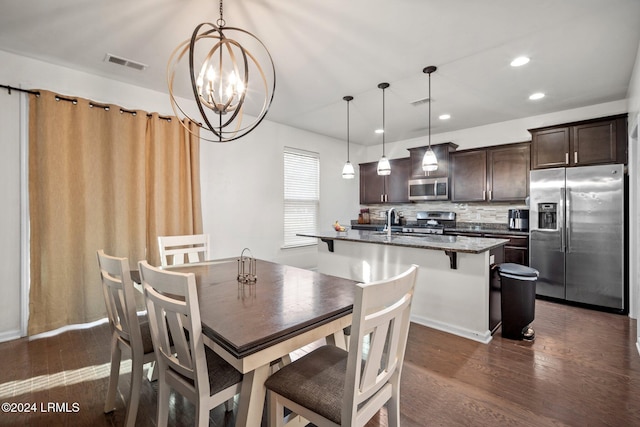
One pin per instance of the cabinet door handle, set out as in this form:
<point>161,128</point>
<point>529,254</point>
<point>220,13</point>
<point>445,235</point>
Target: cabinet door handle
<point>566,158</point>
<point>575,157</point>
<point>489,194</point>
<point>484,193</point>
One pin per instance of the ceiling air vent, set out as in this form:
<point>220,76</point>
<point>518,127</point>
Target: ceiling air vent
<point>125,62</point>
<point>420,102</point>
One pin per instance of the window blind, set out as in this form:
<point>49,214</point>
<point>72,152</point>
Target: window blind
<point>301,196</point>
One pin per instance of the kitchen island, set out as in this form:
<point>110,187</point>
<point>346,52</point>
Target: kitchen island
<point>453,287</point>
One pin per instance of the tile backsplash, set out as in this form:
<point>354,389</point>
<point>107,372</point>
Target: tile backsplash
<point>496,213</point>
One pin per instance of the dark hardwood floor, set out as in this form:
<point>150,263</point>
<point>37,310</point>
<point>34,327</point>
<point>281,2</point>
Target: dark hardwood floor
<point>583,369</point>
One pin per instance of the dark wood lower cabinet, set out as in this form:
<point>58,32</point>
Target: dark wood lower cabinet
<point>516,250</point>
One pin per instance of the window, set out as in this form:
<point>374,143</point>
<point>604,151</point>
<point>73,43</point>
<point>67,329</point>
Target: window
<point>301,196</point>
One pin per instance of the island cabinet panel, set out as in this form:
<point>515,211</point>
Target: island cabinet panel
<point>393,188</point>
<point>441,151</point>
<point>469,176</point>
<point>590,142</point>
<point>508,172</point>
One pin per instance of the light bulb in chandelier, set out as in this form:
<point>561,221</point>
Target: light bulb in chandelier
<point>232,79</point>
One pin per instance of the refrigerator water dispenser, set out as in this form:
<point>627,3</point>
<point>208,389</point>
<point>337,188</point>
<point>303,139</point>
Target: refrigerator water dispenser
<point>547,216</point>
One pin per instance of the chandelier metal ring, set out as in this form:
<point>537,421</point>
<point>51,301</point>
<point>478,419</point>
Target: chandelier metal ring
<point>228,56</point>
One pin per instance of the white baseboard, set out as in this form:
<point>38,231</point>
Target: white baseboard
<point>482,337</point>
<point>10,335</point>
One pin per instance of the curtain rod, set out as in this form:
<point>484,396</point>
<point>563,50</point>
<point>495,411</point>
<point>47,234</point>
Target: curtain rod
<point>75,101</point>
<point>17,89</point>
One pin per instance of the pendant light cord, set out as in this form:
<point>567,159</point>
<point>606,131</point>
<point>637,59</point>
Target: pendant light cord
<point>384,130</point>
<point>348,98</point>
<point>429,111</point>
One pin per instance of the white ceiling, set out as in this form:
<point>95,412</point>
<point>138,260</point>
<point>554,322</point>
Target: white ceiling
<point>582,53</point>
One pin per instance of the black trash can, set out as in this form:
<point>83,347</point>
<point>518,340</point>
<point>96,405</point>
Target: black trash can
<point>518,300</point>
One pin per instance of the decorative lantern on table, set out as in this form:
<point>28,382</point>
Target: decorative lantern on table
<point>247,268</point>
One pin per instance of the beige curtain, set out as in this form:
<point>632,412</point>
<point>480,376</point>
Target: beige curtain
<point>94,179</point>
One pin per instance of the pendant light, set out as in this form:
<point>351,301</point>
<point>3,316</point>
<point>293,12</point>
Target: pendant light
<point>384,167</point>
<point>429,161</point>
<point>347,170</point>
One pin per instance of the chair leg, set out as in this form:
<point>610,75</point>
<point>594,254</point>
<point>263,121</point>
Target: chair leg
<point>275,411</point>
<point>163,399</point>
<point>116,355</point>
<point>137,372</point>
<point>393,406</point>
<point>202,415</point>
<point>228,405</point>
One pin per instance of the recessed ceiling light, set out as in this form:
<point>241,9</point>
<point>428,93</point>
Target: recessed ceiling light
<point>379,130</point>
<point>537,95</point>
<point>444,116</point>
<point>520,61</point>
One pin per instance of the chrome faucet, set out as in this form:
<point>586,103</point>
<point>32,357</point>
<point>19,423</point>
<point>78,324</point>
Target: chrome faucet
<point>388,226</point>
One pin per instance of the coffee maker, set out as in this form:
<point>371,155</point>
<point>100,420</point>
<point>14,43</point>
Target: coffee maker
<point>519,219</point>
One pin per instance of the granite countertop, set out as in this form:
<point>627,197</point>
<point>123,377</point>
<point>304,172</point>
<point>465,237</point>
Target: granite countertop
<point>489,228</point>
<point>473,245</point>
<point>461,227</point>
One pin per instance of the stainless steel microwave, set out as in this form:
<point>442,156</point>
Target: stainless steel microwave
<point>429,189</point>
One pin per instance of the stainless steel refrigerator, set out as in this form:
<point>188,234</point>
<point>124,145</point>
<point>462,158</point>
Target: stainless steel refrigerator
<point>576,223</point>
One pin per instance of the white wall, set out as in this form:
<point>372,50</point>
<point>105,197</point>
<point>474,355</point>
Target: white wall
<point>242,184</point>
<point>634,191</point>
<point>241,181</point>
<point>10,215</point>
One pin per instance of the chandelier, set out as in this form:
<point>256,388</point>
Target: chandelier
<point>227,80</point>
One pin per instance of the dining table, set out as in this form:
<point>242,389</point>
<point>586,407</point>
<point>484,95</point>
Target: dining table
<point>252,324</point>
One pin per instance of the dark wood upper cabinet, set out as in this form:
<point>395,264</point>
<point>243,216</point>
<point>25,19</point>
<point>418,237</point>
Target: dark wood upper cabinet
<point>493,174</point>
<point>442,152</point>
<point>398,181</point>
<point>508,172</point>
<point>550,148</point>
<point>372,188</point>
<point>469,176</point>
<point>393,188</point>
<point>589,142</point>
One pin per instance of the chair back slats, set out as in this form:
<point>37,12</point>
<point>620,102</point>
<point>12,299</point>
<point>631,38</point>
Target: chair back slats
<point>385,338</point>
<point>118,296</point>
<point>178,250</point>
<point>378,341</point>
<point>172,305</point>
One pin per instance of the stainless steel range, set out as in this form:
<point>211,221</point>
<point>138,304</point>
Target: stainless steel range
<point>431,222</point>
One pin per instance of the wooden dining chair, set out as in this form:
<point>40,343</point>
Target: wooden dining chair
<point>128,332</point>
<point>177,250</point>
<point>333,387</point>
<point>192,369</point>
